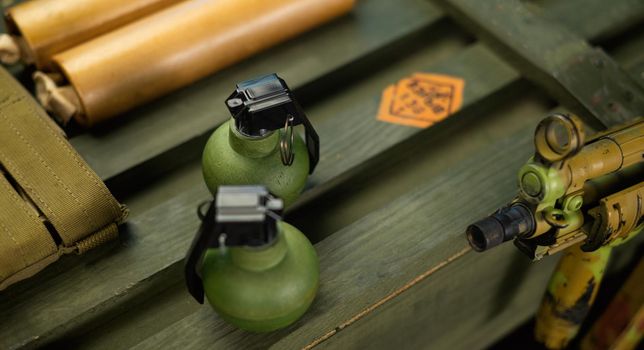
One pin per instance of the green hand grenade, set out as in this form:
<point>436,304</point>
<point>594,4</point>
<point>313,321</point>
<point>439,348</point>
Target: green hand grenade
<point>258,144</point>
<point>258,273</point>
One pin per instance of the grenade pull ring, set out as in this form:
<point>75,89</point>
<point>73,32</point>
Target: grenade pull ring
<point>286,143</point>
<point>265,104</point>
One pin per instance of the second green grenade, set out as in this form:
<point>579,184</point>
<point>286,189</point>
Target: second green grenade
<point>258,272</point>
<point>258,145</point>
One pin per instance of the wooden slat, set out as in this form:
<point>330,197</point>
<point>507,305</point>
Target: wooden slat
<point>357,136</point>
<point>160,228</point>
<point>151,244</point>
<point>581,77</point>
<point>467,312</point>
<point>364,263</point>
<point>585,19</point>
<point>421,159</point>
<point>491,296</point>
<point>482,313</point>
<point>468,304</point>
<point>193,112</point>
<point>352,42</point>
<point>496,298</point>
<point>489,303</point>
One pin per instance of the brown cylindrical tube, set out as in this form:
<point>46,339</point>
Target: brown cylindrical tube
<point>181,44</point>
<point>46,27</point>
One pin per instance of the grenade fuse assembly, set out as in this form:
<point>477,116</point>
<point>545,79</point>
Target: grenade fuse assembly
<point>259,144</point>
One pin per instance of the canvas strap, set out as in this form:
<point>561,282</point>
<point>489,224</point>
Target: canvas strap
<point>45,180</point>
<point>24,240</point>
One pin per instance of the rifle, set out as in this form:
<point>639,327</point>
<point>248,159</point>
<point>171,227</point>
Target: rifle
<point>577,196</point>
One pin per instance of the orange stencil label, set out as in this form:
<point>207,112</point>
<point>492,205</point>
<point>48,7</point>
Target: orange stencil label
<point>421,99</point>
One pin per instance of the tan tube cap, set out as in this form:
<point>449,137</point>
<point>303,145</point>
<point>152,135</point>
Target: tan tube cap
<point>61,101</point>
<point>9,50</point>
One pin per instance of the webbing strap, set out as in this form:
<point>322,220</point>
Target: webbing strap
<point>24,240</point>
<point>42,179</point>
<point>57,180</point>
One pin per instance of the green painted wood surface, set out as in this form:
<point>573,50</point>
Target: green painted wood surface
<point>355,42</point>
<point>488,299</point>
<point>491,293</point>
<point>398,171</point>
<point>119,280</point>
<point>557,59</point>
<point>150,244</point>
<point>400,175</point>
<point>584,19</point>
<point>144,258</point>
<point>366,261</point>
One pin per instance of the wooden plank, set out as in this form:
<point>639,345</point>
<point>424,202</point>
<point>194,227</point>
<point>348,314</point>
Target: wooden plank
<point>147,132</point>
<point>144,257</point>
<point>342,51</point>
<point>149,246</point>
<point>597,19</point>
<point>366,261</point>
<point>357,135</point>
<point>631,53</point>
<point>427,157</point>
<point>155,241</point>
<point>487,301</point>
<point>467,305</point>
<point>160,311</point>
<point>369,260</point>
<point>478,328</point>
<point>583,78</point>
<point>483,302</point>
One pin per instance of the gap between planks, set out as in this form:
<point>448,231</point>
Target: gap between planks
<point>387,298</point>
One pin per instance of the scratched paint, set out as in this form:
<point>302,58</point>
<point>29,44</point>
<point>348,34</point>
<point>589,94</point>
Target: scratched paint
<point>570,294</point>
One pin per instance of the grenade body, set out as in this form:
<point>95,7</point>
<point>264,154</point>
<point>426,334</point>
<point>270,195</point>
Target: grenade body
<point>265,288</point>
<point>231,158</point>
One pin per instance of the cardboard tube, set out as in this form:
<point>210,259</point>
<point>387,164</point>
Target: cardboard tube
<point>51,26</point>
<point>179,45</point>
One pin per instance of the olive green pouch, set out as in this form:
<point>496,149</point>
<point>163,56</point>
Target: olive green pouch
<point>51,202</point>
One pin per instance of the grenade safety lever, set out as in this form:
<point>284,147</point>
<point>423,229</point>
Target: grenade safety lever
<point>265,104</point>
<point>239,216</point>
